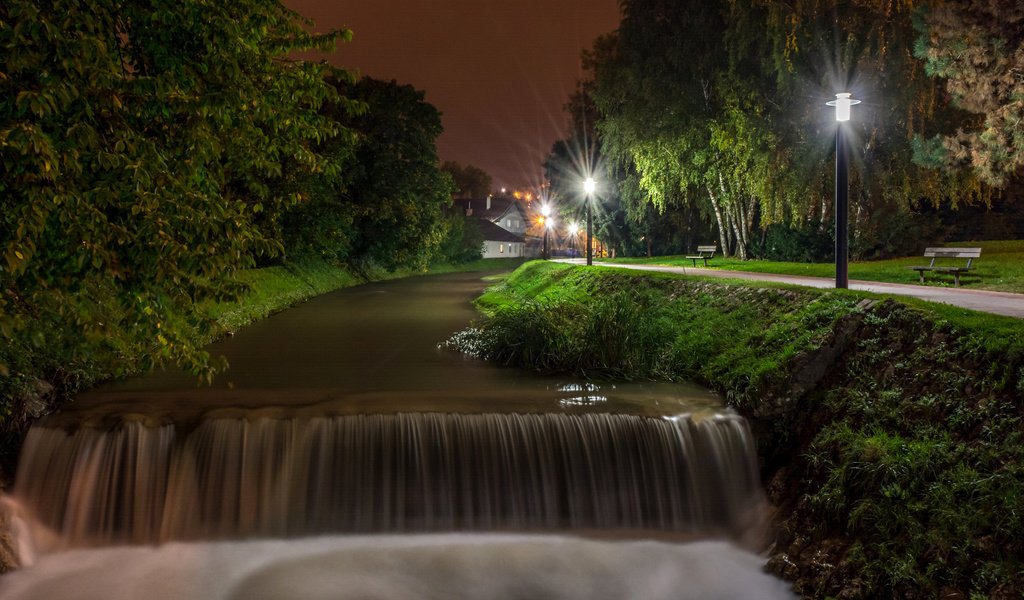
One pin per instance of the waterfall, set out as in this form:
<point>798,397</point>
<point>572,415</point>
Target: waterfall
<point>228,478</point>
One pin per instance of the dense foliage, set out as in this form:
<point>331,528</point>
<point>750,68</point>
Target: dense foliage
<point>137,143</point>
<point>891,435</point>
<point>470,181</point>
<point>977,47</point>
<point>718,108</point>
<point>152,153</point>
<point>383,207</point>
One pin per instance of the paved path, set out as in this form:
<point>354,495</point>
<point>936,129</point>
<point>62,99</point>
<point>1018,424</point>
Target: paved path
<point>999,303</point>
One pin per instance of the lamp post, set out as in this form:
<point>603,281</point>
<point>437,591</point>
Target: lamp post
<point>588,186</point>
<point>574,231</point>
<point>546,211</point>
<point>843,102</point>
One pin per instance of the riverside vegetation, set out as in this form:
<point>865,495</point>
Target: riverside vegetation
<point>890,432</point>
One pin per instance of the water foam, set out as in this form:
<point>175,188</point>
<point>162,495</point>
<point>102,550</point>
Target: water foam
<point>394,567</point>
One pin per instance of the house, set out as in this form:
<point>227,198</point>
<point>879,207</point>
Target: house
<point>502,222</point>
<point>502,211</point>
<point>499,242</point>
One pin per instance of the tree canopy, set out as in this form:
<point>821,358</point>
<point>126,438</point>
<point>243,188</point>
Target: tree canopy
<point>139,144</point>
<point>718,107</point>
<point>977,47</point>
<point>470,181</point>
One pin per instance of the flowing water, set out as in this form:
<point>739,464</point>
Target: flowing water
<point>341,418</point>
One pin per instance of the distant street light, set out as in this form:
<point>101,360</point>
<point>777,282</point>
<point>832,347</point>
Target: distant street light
<point>589,186</point>
<point>574,231</point>
<point>843,102</point>
<point>546,211</point>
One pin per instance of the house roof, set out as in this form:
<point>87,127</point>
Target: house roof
<point>494,233</point>
<point>500,205</point>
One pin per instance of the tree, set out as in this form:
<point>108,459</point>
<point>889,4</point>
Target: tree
<point>977,46</point>
<point>719,106</point>
<point>137,143</point>
<point>470,181</point>
<point>674,110</point>
<point>384,206</point>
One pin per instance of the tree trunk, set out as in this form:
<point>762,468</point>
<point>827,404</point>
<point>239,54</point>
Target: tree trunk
<point>723,231</point>
<point>736,217</point>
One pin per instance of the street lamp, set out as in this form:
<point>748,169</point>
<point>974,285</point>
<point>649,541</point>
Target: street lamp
<point>588,186</point>
<point>574,231</point>
<point>843,102</point>
<point>546,211</point>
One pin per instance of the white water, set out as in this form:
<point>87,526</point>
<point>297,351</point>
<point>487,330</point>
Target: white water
<point>238,478</point>
<point>391,567</point>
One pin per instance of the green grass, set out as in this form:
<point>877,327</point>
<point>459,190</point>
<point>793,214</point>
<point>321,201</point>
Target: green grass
<point>1000,268</point>
<point>894,429</point>
<point>272,289</point>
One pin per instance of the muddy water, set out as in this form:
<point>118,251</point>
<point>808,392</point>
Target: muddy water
<point>374,349</point>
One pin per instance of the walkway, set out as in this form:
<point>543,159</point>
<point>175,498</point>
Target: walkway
<point>998,303</point>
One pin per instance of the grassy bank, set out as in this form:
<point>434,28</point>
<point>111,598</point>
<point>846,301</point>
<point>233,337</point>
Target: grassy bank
<point>891,433</point>
<point>1000,268</point>
<point>274,288</point>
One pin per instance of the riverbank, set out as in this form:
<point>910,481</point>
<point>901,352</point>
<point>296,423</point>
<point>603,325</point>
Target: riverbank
<point>890,433</point>
<point>46,379</point>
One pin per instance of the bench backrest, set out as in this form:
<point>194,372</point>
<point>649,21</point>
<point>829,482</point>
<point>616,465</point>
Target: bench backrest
<point>952,252</point>
<point>968,253</point>
<point>709,250</point>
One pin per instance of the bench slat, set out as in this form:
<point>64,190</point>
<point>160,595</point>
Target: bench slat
<point>952,252</point>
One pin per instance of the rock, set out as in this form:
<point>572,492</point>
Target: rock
<point>37,399</point>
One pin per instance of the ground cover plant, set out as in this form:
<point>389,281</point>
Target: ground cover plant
<point>1000,268</point>
<point>890,432</point>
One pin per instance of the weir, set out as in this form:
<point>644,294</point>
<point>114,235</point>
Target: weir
<point>230,478</point>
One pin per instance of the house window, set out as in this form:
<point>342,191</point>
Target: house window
<point>501,248</point>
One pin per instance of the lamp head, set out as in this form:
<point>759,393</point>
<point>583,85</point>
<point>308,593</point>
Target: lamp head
<point>589,185</point>
<point>843,102</point>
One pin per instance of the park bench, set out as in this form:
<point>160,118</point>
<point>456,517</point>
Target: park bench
<point>947,254</point>
<point>704,253</point>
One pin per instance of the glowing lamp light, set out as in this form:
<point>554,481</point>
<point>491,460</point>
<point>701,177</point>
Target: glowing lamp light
<point>589,185</point>
<point>545,210</point>
<point>574,228</point>
<point>843,102</point>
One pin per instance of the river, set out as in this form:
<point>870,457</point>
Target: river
<point>421,473</point>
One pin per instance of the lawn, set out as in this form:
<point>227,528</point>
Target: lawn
<point>1001,267</point>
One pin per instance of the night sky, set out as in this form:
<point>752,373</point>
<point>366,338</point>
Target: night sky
<point>500,71</point>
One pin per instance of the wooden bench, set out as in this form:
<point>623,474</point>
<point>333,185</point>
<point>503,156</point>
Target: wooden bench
<point>945,254</point>
<point>704,253</point>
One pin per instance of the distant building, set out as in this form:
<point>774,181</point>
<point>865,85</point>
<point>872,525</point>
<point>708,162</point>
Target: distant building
<point>502,222</point>
<point>503,212</point>
<point>499,242</point>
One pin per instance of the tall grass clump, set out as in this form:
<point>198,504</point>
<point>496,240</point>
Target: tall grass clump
<point>624,335</point>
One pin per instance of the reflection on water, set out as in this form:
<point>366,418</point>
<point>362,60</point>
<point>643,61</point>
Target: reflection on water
<point>585,394</point>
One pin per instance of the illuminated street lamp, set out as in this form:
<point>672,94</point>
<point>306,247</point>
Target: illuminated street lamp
<point>546,211</point>
<point>588,186</point>
<point>843,102</point>
<point>574,231</point>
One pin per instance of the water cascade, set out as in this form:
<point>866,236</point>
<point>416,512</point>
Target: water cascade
<point>231,478</point>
